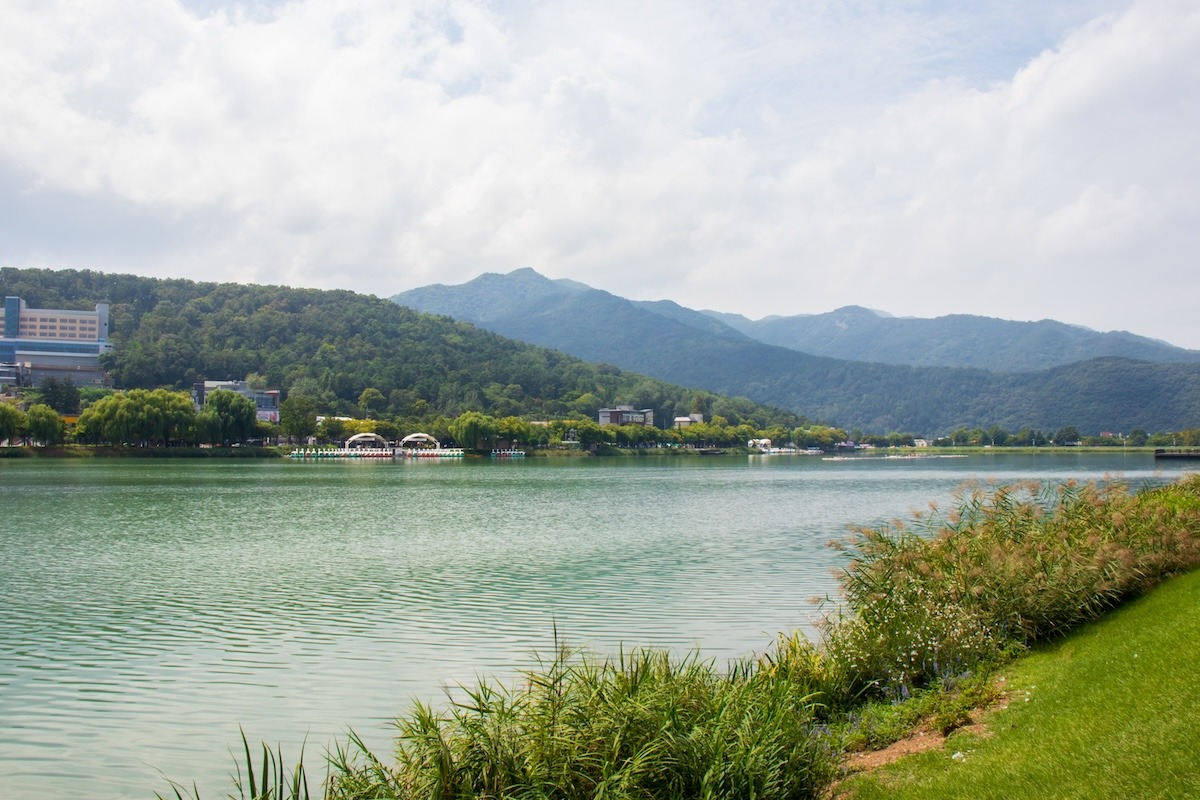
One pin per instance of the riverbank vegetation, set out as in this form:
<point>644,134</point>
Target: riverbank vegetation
<point>1108,712</point>
<point>929,608</point>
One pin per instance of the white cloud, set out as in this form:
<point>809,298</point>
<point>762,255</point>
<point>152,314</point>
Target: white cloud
<point>1014,161</point>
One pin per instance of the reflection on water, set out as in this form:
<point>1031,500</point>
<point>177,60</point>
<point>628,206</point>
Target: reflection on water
<point>151,608</point>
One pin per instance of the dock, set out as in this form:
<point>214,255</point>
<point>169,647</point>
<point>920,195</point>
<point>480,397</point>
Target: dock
<point>1177,455</point>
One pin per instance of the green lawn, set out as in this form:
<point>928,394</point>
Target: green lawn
<point>1113,711</point>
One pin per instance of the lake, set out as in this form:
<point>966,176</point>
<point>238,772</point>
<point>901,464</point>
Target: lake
<point>150,607</point>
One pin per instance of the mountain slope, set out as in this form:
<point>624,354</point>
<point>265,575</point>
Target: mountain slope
<point>331,345</point>
<point>681,347</point>
<point>956,340</point>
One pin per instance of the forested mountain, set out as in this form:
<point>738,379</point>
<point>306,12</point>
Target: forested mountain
<point>688,348</point>
<point>332,345</point>
<point>956,340</point>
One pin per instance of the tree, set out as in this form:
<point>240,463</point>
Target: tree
<point>44,424</point>
<point>1066,435</point>
<point>256,381</point>
<point>1137,437</point>
<point>146,418</point>
<point>12,422</point>
<point>371,402</point>
<point>388,430</point>
<point>61,395</point>
<point>473,430</point>
<point>332,429</point>
<point>208,426</point>
<point>298,417</point>
<point>236,412</point>
<point>515,430</point>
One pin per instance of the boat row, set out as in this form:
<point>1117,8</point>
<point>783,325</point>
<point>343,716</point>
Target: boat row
<point>305,453</point>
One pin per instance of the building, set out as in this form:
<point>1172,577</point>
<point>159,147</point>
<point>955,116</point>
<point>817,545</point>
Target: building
<point>40,343</point>
<point>265,400</point>
<point>626,415</point>
<point>12,373</point>
<point>690,419</point>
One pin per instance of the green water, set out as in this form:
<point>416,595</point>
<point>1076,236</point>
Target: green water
<point>150,608</point>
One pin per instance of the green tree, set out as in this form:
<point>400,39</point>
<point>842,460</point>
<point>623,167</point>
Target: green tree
<point>298,417</point>
<point>60,394</point>
<point>236,412</point>
<point>208,426</point>
<point>474,430</point>
<point>515,430</point>
<point>12,422</point>
<point>388,430</point>
<point>586,405</point>
<point>332,430</point>
<point>1137,437</point>
<point>45,425</point>
<point>371,402</point>
<point>147,418</point>
<point>1066,435</point>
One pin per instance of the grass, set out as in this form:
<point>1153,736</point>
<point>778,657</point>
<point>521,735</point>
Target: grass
<point>930,608</point>
<point>1111,711</point>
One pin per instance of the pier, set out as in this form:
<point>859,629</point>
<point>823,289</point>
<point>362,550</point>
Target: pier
<point>1178,455</point>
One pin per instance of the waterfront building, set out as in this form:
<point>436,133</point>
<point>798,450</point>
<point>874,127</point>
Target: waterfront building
<point>626,415</point>
<point>40,343</point>
<point>266,401</point>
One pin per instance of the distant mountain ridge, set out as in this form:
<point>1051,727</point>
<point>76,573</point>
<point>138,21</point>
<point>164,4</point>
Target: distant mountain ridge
<point>954,340</point>
<point>691,348</point>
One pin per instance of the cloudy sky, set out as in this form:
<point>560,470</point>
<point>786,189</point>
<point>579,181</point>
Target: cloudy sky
<point>1018,159</point>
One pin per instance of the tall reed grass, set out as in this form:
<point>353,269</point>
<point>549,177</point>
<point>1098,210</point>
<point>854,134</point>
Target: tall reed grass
<point>1011,565</point>
<point>927,605</point>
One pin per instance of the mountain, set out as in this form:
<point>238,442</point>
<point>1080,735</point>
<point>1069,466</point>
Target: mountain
<point>955,340</point>
<point>690,348</point>
<point>332,345</point>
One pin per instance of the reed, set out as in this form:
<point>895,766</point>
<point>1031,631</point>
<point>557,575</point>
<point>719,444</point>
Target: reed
<point>641,725</point>
<point>1010,566</point>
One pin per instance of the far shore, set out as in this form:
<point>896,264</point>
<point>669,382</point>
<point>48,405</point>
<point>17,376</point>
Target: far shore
<point>282,451</point>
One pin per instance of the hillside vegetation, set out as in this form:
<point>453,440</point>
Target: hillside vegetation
<point>332,345</point>
<point>689,348</point>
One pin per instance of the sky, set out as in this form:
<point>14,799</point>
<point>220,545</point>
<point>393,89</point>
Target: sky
<point>1023,160</point>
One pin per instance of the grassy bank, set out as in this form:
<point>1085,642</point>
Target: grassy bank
<point>1110,711</point>
<point>929,609</point>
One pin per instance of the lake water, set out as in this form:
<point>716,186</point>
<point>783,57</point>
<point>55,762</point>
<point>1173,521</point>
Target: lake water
<point>150,608</point>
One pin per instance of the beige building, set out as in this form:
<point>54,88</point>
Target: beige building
<point>39,343</point>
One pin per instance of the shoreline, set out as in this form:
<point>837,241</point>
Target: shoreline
<point>282,451</point>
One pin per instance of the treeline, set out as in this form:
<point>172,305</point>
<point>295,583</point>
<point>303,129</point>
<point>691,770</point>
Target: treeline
<point>1069,435</point>
<point>139,418</point>
<point>334,346</point>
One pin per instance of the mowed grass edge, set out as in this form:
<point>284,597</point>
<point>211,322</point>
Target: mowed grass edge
<point>1113,710</point>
